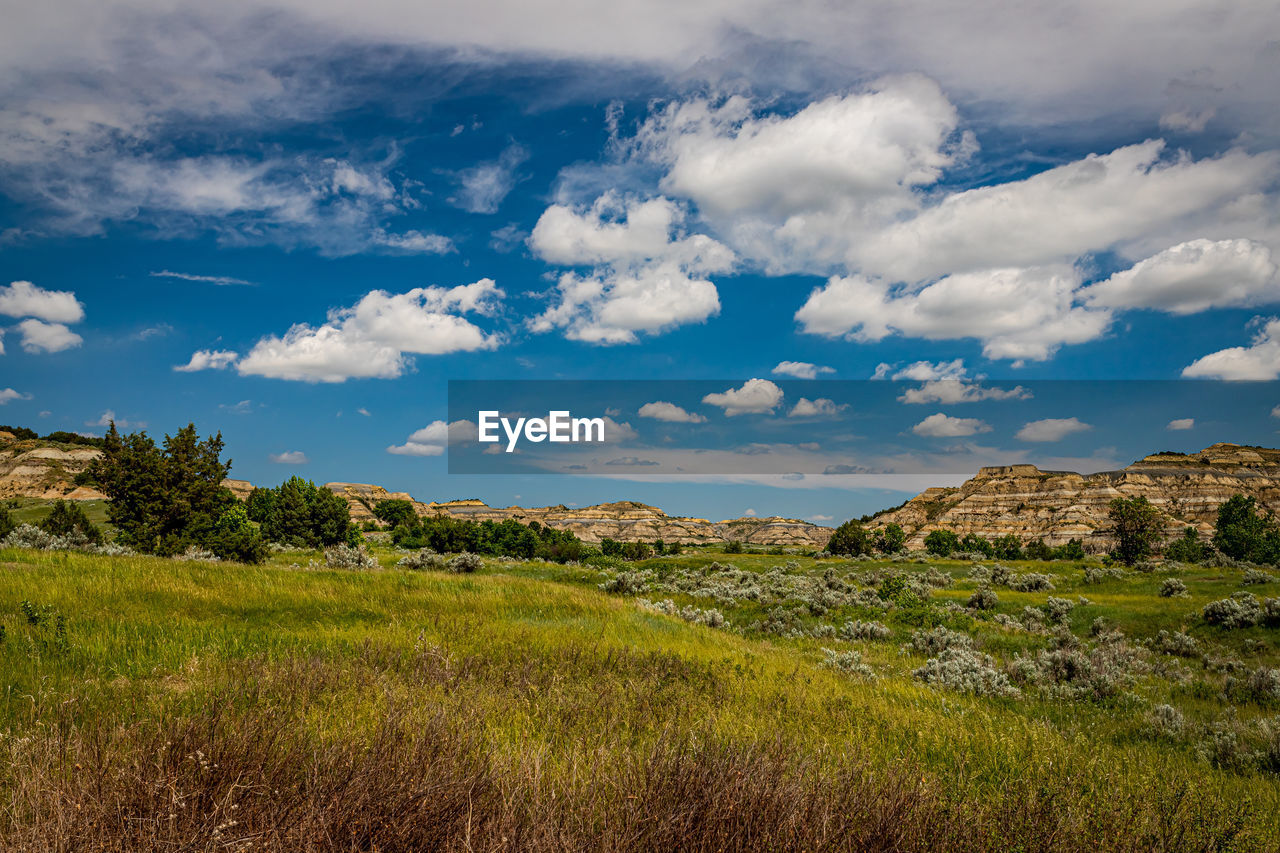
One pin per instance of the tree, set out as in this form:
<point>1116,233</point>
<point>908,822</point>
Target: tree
<point>1007,547</point>
<point>942,543</point>
<point>890,539</point>
<point>394,512</point>
<point>68,518</point>
<point>235,538</point>
<point>849,539</point>
<point>162,500</point>
<point>1136,525</point>
<point>1187,548</point>
<point>302,514</point>
<point>1243,534</point>
<point>6,522</point>
<point>1037,550</point>
<point>972,543</point>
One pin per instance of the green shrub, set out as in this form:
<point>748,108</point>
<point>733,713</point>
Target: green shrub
<point>942,543</point>
<point>850,540</point>
<point>68,518</point>
<point>1172,588</point>
<point>1239,611</point>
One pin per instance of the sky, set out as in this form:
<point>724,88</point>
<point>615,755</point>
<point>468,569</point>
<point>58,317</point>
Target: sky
<point>297,223</point>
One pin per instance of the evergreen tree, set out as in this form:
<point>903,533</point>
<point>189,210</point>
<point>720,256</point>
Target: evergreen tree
<point>1136,526</point>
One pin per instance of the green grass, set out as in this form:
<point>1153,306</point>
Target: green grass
<point>547,664</point>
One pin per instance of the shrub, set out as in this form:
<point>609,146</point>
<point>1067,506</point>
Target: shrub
<point>395,511</point>
<point>1166,721</point>
<point>1172,588</point>
<point>1239,611</point>
<point>1037,550</point>
<point>1058,609</point>
<point>1177,643</point>
<point>195,553</point>
<point>6,522</point>
<point>1031,582</point>
<point>689,613</point>
<point>734,546</point>
<point>850,663</point>
<point>1262,685</point>
<point>1007,547</point>
<point>465,563</point>
<point>890,539</point>
<point>943,543</point>
<point>627,583</point>
<point>345,556</point>
<point>1256,576</point>
<point>972,543</point>
<point>859,630</point>
<point>984,599</point>
<point>966,671</point>
<point>938,640</point>
<point>423,560</point>
<point>29,536</point>
<point>1072,549</point>
<point>1099,574</point>
<point>235,538</point>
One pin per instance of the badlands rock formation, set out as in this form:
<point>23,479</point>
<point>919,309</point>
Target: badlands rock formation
<point>621,520</point>
<point>1056,506</point>
<point>43,470</point>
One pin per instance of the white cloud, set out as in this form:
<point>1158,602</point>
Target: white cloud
<point>1051,429</point>
<point>922,371</point>
<point>374,338</point>
<point>363,411</point>
<point>945,426</point>
<point>1258,361</point>
<point>670,412</point>
<point>646,275</point>
<point>749,513</point>
<point>801,369</point>
<point>38,336</point>
<point>435,437</point>
<point>289,457</point>
<point>8,395</point>
<point>1181,424</point>
<point>819,408</point>
<point>218,280</point>
<point>109,416</point>
<point>949,391</point>
<point>207,360</point>
<point>1192,277</point>
<point>24,299</point>
<point>821,518</point>
<point>756,396</point>
<point>482,188</point>
<point>1016,313</point>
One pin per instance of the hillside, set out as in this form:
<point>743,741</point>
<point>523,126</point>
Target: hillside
<point>1056,506</point>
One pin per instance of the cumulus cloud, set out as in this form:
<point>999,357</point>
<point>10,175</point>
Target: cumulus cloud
<point>1051,429</point>
<point>1192,277</point>
<point>24,299</point>
<point>819,408</point>
<point>289,457</point>
<point>1258,361</point>
<point>801,369</point>
<point>375,337</point>
<point>435,437</point>
<point>8,395</point>
<point>756,396</point>
<point>646,275</point>
<point>38,336</point>
<point>482,188</point>
<point>670,412</point>
<point>949,391</point>
<point>945,426</point>
<point>1016,313</point>
<point>206,359</point>
<point>1181,424</point>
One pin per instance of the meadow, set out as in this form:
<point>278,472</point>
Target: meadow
<point>776,702</point>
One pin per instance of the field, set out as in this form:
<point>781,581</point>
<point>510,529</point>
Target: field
<point>155,704</point>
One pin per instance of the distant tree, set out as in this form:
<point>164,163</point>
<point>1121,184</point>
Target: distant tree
<point>733,546</point>
<point>1187,548</point>
<point>1072,549</point>
<point>942,543</point>
<point>6,522</point>
<point>890,539</point>
<point>1243,534</point>
<point>68,518</point>
<point>1037,550</point>
<point>20,433</point>
<point>395,511</point>
<point>1136,526</point>
<point>305,515</point>
<point>163,499</point>
<point>972,543</point>
<point>1007,547</point>
<point>850,539</point>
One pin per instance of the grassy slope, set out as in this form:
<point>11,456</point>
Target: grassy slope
<point>574,686</point>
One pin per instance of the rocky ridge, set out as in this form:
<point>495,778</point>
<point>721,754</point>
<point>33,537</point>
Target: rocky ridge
<point>1056,506</point>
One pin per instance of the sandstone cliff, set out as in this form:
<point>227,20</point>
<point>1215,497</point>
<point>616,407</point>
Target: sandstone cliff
<point>1056,506</point>
<point>40,469</point>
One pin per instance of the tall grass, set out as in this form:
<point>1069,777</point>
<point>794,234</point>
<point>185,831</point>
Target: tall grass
<point>214,707</point>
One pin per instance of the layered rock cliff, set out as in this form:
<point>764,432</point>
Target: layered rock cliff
<point>40,469</point>
<point>1056,506</point>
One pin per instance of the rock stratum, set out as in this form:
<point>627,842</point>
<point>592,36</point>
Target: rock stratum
<point>620,520</point>
<point>1056,506</point>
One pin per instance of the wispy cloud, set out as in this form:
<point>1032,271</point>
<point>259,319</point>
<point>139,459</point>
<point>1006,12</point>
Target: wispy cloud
<point>219,280</point>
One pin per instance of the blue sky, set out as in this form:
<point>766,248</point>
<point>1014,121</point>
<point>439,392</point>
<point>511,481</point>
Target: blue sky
<point>296,223</point>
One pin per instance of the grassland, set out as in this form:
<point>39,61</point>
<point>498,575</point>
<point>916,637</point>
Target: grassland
<point>161,704</point>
